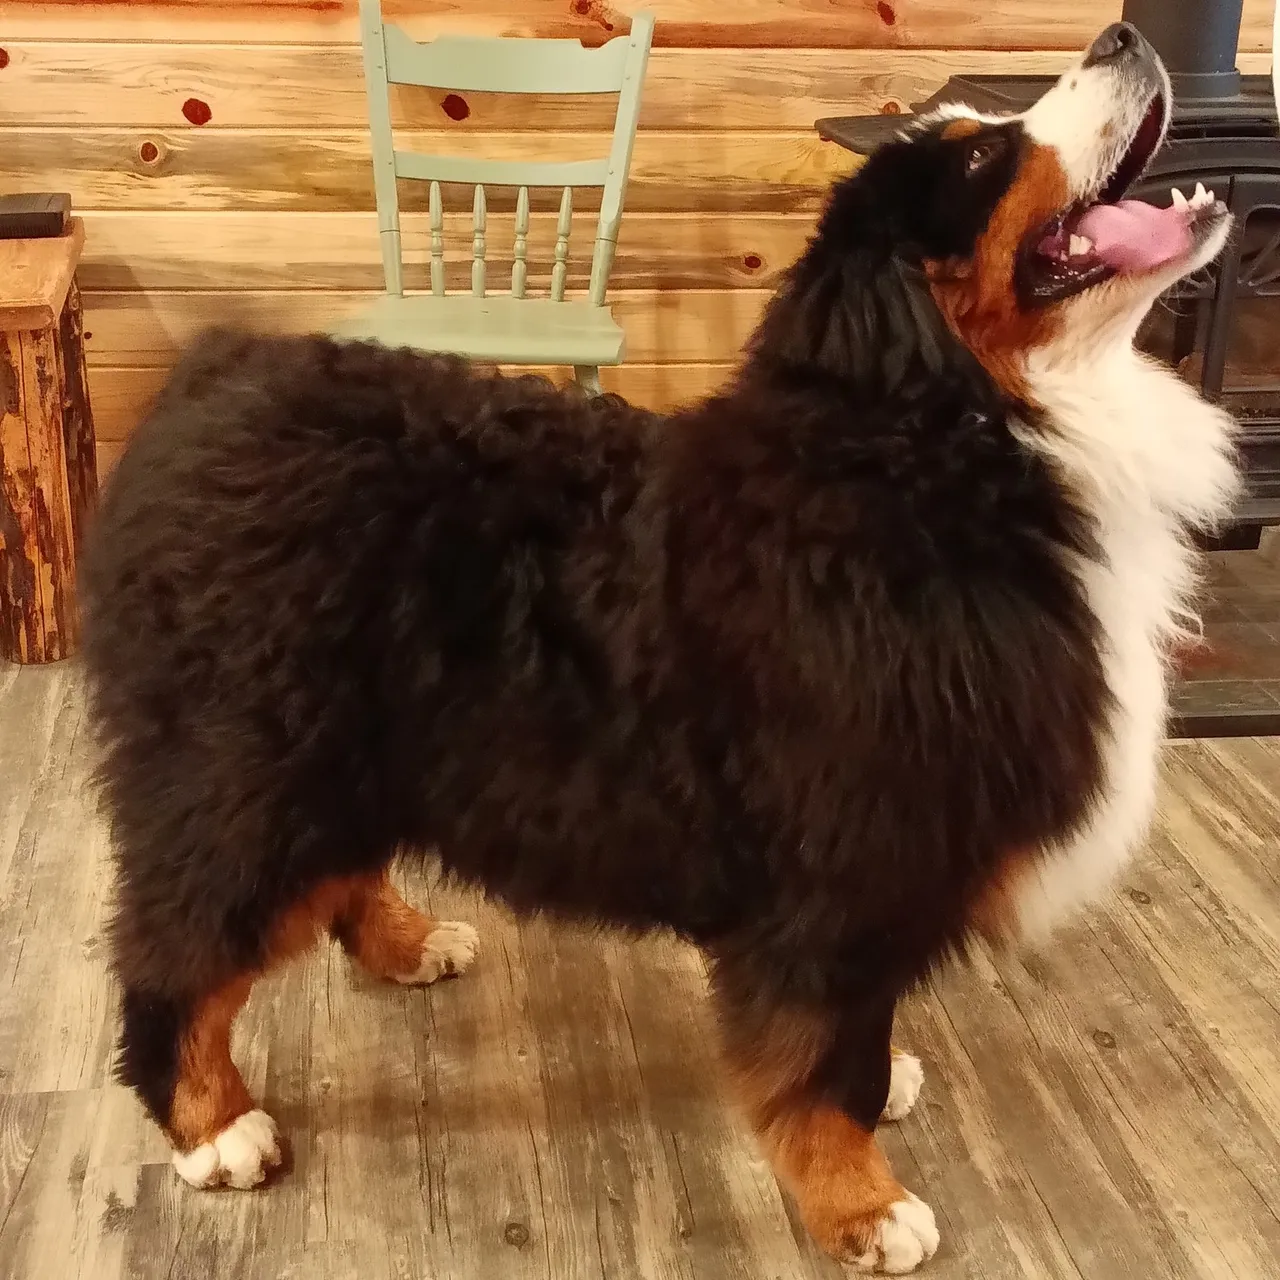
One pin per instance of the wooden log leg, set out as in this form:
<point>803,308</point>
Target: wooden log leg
<point>79,439</point>
<point>38,621</point>
<point>17,574</point>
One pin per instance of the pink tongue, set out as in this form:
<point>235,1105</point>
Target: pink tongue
<point>1135,236</point>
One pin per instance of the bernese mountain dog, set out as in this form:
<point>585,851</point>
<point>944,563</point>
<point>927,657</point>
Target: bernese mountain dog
<point>860,658</point>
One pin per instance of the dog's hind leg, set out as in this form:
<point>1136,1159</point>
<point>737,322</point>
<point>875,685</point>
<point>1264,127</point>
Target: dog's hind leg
<point>175,1044</point>
<point>392,940</point>
<point>814,1081</point>
<point>176,1054</point>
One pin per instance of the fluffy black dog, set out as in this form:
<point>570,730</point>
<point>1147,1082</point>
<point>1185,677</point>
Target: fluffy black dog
<point>810,673</point>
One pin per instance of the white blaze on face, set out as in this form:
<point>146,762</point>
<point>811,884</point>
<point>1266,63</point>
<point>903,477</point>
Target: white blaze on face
<point>1092,114</point>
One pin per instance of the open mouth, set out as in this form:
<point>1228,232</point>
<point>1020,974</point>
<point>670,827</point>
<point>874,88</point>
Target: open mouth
<point>1096,240</point>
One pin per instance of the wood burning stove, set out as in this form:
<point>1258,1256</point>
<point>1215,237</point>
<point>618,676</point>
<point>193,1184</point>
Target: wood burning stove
<point>1221,328</point>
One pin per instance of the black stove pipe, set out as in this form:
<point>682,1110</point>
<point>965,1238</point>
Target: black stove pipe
<point>1197,39</point>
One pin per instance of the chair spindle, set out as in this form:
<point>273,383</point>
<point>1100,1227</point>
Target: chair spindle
<point>436,214</point>
<point>561,269</point>
<point>519,268</point>
<point>477,244</point>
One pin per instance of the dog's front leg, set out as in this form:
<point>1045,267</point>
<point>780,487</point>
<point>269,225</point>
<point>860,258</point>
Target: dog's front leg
<point>814,1080</point>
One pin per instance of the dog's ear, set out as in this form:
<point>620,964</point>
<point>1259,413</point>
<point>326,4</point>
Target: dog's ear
<point>866,319</point>
<point>857,306</point>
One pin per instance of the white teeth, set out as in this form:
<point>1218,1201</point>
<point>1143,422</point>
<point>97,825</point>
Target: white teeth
<point>1080,246</point>
<point>1202,198</point>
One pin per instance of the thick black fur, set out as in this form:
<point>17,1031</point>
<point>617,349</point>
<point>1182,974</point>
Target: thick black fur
<point>149,1053</point>
<point>793,673</point>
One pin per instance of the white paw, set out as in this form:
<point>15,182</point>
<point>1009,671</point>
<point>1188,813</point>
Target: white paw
<point>239,1156</point>
<point>449,949</point>
<point>904,1238</point>
<point>906,1079</point>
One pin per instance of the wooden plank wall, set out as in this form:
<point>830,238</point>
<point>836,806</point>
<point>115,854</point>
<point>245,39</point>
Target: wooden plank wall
<point>218,153</point>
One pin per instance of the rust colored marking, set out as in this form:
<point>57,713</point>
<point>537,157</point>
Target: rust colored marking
<point>752,262</point>
<point>838,1175</point>
<point>455,106</point>
<point>887,14</point>
<point>994,914</point>
<point>210,1092</point>
<point>767,1074</point>
<point>299,927</point>
<point>961,128</point>
<point>149,152</point>
<point>381,931</point>
<point>978,297</point>
<point>832,1165</point>
<point>4,58</point>
<point>196,111</point>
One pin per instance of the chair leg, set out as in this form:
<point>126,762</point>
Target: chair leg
<point>588,378</point>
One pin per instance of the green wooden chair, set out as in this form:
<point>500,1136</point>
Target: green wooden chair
<point>502,328</point>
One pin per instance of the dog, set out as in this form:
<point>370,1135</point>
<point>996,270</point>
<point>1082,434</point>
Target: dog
<point>860,658</point>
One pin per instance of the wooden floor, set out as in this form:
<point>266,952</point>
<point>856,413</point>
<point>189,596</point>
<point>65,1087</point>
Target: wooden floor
<point>1110,1111</point>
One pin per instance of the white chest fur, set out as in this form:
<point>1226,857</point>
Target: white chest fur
<point>1149,459</point>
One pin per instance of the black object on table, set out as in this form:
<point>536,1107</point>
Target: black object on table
<point>34,216</point>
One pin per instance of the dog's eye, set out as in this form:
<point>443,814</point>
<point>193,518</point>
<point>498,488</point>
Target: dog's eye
<point>979,154</point>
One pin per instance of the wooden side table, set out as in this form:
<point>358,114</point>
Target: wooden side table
<point>48,467</point>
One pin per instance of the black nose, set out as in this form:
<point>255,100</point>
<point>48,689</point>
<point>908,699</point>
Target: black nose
<point>1119,40</point>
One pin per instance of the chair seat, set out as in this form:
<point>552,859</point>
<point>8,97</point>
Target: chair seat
<point>498,329</point>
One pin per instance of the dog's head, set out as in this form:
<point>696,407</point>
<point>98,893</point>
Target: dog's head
<point>1011,234</point>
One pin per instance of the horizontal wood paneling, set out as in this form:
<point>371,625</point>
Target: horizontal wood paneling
<point>121,395</point>
<point>261,214</point>
<point>664,327</point>
<point>1007,24</point>
<point>210,168</point>
<point>322,87</point>
<point>173,250</point>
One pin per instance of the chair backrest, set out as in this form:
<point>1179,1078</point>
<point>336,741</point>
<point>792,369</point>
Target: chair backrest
<point>502,65</point>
